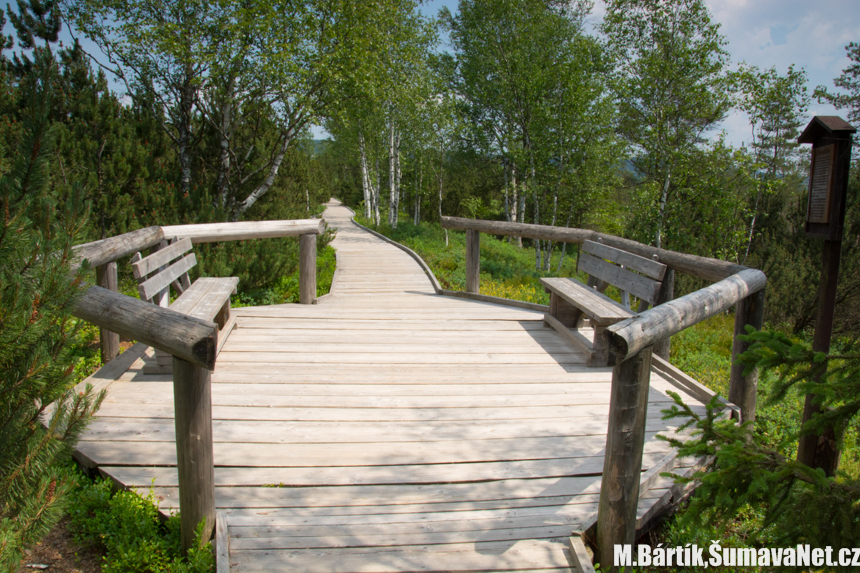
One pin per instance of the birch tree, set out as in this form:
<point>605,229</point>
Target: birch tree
<point>532,90</point>
<point>671,85</point>
<point>209,63</point>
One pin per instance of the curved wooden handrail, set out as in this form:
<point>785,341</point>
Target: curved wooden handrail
<point>628,337</point>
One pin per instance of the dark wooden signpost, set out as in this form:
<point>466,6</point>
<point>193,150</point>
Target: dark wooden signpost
<point>830,137</point>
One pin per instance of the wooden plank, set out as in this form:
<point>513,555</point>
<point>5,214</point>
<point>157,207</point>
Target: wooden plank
<point>322,455</point>
<point>505,493</point>
<point>398,539</point>
<point>410,474</point>
<point>222,544</point>
<point>286,432</point>
<point>574,337</point>
<point>581,558</point>
<point>225,331</point>
<point>683,381</point>
<point>646,266</point>
<point>242,230</point>
<point>494,300</point>
<point>437,347</point>
<point>162,280</point>
<point>165,410</point>
<point>252,321</point>
<point>596,305</point>
<point>570,357</point>
<point>494,556</point>
<point>371,401</point>
<point>160,258</point>
<point>638,285</point>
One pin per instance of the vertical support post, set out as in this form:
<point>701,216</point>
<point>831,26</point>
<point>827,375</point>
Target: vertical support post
<point>473,261</point>
<point>667,293</point>
<point>195,460</point>
<point>622,466</point>
<point>307,268</point>
<point>109,341</point>
<point>820,451</point>
<point>742,389</point>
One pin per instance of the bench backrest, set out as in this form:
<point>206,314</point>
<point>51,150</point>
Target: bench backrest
<point>644,283</point>
<point>167,266</point>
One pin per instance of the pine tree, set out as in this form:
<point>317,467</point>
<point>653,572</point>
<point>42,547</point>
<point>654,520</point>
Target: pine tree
<point>41,418</point>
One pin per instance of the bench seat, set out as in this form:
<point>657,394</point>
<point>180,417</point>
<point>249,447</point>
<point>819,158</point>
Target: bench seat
<point>571,301</point>
<point>207,298</point>
<point>596,305</point>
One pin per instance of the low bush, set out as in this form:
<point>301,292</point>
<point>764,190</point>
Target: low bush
<point>126,528</point>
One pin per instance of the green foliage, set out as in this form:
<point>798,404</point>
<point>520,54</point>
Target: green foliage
<point>36,330</point>
<point>126,527</point>
<point>801,504</point>
<point>834,378</point>
<point>849,81</point>
<point>286,289</point>
<point>671,86</point>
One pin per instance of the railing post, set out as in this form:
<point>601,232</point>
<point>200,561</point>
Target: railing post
<point>195,460</point>
<point>473,261</point>
<point>109,341</point>
<point>667,293</point>
<point>307,268</point>
<point>622,466</point>
<point>742,389</point>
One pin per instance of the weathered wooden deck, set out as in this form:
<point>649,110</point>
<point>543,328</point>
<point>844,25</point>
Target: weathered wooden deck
<point>385,429</point>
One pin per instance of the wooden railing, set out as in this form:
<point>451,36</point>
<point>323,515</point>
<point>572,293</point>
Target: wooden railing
<point>630,345</point>
<point>192,342</point>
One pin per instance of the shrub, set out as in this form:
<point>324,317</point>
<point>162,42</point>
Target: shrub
<point>126,527</point>
<point>36,329</point>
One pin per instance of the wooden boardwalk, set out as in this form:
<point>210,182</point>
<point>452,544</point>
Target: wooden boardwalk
<point>385,429</point>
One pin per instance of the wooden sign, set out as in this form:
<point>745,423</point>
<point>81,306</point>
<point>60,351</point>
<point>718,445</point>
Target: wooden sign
<point>830,137</point>
<point>821,184</point>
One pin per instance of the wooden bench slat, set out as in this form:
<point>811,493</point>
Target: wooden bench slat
<point>217,293</point>
<point>150,287</point>
<point>638,285</point>
<point>153,262</point>
<point>595,305</point>
<point>647,267</point>
<point>205,297</point>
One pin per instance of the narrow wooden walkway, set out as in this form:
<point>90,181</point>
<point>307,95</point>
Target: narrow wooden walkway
<point>385,429</point>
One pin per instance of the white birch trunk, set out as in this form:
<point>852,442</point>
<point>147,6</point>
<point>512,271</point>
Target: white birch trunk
<point>661,216</point>
<point>365,177</point>
<point>392,176</point>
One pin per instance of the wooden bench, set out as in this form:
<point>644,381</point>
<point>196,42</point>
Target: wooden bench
<point>571,301</point>
<point>206,298</point>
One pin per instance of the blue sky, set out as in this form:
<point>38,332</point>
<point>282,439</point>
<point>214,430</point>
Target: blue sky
<point>809,34</point>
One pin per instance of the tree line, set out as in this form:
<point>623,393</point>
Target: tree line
<point>197,112</point>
